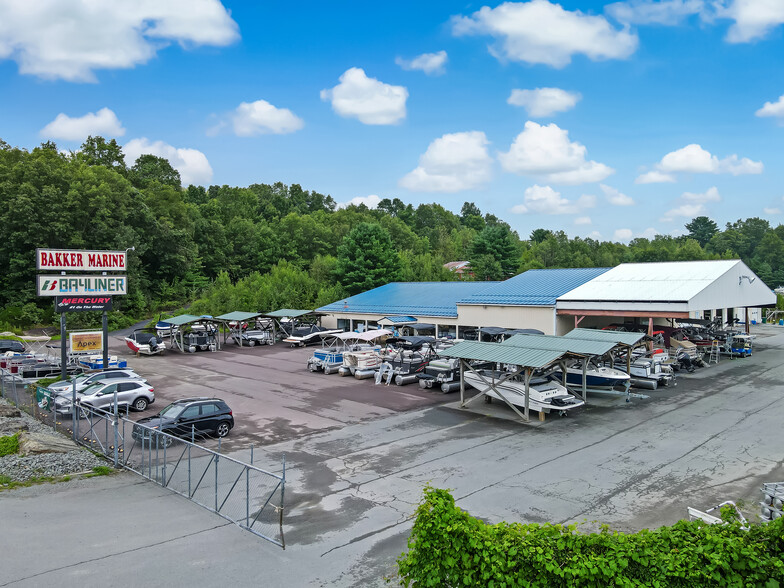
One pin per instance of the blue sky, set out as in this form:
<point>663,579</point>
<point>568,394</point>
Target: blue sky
<point>609,120</point>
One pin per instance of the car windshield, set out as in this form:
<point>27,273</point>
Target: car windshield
<point>172,411</point>
<point>93,388</point>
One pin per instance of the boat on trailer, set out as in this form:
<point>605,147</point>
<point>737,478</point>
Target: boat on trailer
<point>404,358</point>
<point>329,357</point>
<point>545,395</point>
<point>364,363</point>
<point>443,373</point>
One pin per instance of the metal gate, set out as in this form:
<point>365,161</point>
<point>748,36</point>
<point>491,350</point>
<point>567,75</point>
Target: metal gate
<point>239,492</point>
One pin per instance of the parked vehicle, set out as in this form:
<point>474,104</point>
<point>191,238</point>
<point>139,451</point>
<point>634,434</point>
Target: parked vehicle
<point>135,394</point>
<point>200,416</point>
<point>85,380</point>
<point>11,345</point>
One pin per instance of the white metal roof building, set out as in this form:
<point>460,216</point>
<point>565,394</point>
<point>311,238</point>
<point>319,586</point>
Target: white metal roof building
<point>683,289</point>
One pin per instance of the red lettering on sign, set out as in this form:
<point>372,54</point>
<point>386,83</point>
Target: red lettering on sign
<point>105,258</point>
<point>43,258</point>
<point>91,260</point>
<point>79,259</point>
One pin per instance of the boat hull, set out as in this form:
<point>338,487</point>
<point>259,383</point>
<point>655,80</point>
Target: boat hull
<point>545,397</point>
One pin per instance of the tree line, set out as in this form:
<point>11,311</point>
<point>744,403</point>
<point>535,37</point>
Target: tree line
<point>267,246</point>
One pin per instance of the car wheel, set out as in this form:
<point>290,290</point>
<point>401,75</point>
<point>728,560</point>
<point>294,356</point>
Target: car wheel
<point>140,404</point>
<point>222,430</point>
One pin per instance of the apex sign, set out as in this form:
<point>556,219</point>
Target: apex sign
<point>80,260</point>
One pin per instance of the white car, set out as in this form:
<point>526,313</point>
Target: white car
<point>136,394</point>
<point>85,380</point>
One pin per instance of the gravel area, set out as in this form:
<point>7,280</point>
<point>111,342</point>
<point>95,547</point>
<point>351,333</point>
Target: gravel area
<point>21,469</point>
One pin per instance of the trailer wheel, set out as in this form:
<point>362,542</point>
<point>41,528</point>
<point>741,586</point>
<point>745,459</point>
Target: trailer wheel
<point>251,343</point>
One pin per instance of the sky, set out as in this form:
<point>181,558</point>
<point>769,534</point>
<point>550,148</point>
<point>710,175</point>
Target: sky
<point>605,120</point>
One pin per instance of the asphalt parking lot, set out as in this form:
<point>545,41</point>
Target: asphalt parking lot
<point>358,456</point>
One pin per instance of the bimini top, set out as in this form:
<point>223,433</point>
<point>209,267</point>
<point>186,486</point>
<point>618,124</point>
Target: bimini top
<point>535,287</point>
<point>366,336</point>
<point>415,299</point>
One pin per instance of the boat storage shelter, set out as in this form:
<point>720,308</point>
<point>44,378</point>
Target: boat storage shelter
<point>233,322</point>
<point>668,290</point>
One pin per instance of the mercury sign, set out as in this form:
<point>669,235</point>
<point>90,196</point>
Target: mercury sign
<point>80,260</point>
<point>81,285</point>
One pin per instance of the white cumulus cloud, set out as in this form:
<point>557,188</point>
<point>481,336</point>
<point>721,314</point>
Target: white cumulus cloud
<point>430,63</point>
<point>259,118</point>
<point>544,101</point>
<point>616,197</point>
<point>104,123</point>
<point>775,109</point>
<point>545,200</point>
<point>52,39</point>
<point>628,234</point>
<point>710,195</point>
<point>623,234</point>
<point>771,210</point>
<point>654,177</point>
<point>453,162</point>
<point>370,201</point>
<point>370,101</point>
<point>659,12</point>
<point>191,163</point>
<point>545,33</point>
<point>754,19</point>
<point>583,220</point>
<point>547,152</point>
<point>696,160</point>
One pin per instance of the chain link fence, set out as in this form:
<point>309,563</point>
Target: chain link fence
<point>239,492</point>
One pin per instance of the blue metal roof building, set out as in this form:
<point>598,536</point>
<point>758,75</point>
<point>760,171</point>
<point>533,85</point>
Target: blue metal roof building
<point>433,299</point>
<point>540,287</point>
<point>524,301</point>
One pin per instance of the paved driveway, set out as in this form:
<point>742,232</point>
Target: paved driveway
<point>354,483</point>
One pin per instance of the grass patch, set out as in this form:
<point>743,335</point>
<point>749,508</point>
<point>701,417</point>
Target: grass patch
<point>9,444</point>
<point>4,480</point>
<point>100,471</point>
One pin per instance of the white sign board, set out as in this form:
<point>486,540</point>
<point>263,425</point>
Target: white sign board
<point>80,260</point>
<point>82,285</point>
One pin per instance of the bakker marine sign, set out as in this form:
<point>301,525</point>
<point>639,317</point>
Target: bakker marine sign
<point>80,260</point>
<point>82,285</point>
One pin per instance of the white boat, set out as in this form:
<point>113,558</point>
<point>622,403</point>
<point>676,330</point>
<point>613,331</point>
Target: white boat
<point>544,395</point>
<point>308,335</point>
<point>329,358</point>
<point>596,377</point>
<point>364,363</point>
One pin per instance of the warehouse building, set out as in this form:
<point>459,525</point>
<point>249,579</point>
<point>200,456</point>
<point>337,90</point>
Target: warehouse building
<point>554,301</point>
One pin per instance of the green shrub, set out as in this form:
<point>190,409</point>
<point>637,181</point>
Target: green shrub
<point>448,547</point>
<point>9,444</point>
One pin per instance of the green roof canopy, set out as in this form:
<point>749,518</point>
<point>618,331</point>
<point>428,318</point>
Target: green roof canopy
<point>289,313</point>
<point>238,316</point>
<point>183,319</point>
<point>617,337</point>
<point>567,345</point>
<point>530,358</point>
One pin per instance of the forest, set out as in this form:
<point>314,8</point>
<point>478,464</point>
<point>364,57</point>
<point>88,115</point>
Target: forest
<point>268,246</point>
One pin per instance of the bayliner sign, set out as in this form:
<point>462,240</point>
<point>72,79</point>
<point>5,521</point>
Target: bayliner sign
<point>82,303</point>
<point>81,285</point>
<point>80,260</point>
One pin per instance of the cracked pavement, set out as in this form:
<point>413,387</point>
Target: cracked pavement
<point>355,474</point>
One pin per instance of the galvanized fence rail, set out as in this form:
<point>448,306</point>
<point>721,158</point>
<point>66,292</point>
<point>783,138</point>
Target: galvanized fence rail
<point>242,493</point>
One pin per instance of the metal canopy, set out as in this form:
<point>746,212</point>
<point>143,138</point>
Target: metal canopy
<point>568,345</point>
<point>617,337</point>
<point>498,352</point>
<point>397,321</point>
<point>289,313</point>
<point>184,319</point>
<point>238,316</point>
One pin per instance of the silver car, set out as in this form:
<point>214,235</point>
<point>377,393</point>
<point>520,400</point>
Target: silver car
<point>85,380</point>
<point>135,394</point>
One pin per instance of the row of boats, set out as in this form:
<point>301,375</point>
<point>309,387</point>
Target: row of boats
<point>404,360</point>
